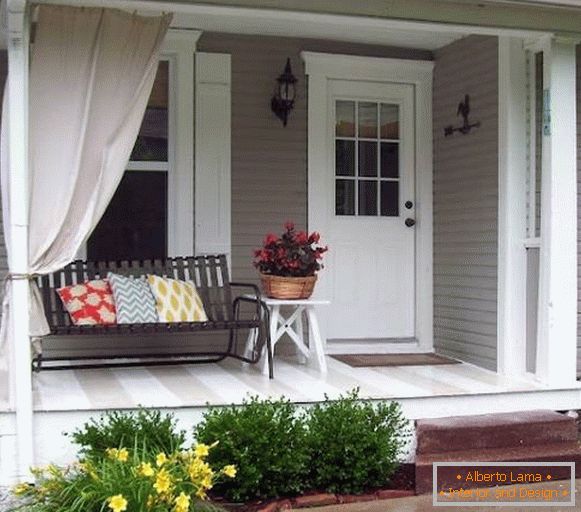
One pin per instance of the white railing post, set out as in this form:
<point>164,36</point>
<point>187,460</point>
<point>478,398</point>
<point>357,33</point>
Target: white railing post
<point>21,377</point>
<point>557,314</point>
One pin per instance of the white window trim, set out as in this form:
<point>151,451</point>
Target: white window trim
<point>320,67</point>
<point>179,47</point>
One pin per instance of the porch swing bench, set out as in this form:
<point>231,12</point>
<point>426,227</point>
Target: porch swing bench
<point>222,306</point>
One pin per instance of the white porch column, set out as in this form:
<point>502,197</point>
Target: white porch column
<point>21,378</point>
<point>512,203</point>
<point>557,318</point>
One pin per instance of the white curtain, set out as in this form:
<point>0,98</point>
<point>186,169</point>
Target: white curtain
<point>91,73</point>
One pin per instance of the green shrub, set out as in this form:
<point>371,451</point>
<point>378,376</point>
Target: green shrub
<point>122,479</point>
<point>149,430</point>
<point>354,445</point>
<point>266,442</point>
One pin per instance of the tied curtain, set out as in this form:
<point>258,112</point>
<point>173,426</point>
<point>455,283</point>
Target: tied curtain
<point>91,74</point>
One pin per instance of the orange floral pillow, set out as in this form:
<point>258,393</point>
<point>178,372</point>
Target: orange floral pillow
<point>89,303</point>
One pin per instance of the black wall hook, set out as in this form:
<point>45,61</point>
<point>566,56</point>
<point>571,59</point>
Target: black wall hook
<point>464,111</point>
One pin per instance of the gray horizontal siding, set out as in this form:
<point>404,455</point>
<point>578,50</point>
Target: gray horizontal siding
<point>465,202</point>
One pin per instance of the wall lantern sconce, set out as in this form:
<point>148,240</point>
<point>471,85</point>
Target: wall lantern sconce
<point>283,99</point>
<point>466,126</point>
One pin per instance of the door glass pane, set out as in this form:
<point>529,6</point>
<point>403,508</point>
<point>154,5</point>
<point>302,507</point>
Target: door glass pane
<point>345,158</point>
<point>389,121</point>
<point>368,197</point>
<point>389,159</point>
<point>389,198</point>
<point>367,120</point>
<point>134,225</point>
<point>345,119</point>
<point>367,158</point>
<point>345,197</point>
<point>151,144</point>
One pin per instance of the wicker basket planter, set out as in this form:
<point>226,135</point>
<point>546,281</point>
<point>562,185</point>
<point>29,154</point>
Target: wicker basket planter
<point>278,287</point>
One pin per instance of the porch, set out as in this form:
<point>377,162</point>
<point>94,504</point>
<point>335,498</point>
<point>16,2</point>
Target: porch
<point>230,382</point>
<point>482,284</point>
<point>64,400</point>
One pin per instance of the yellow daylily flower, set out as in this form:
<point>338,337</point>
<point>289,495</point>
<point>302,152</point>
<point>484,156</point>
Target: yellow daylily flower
<point>20,489</point>
<point>112,453</point>
<point>229,470</point>
<point>198,469</point>
<point>201,493</point>
<point>122,455</point>
<point>201,450</point>
<point>161,459</point>
<point>162,482</point>
<point>88,468</point>
<point>117,503</point>
<point>182,502</point>
<point>145,469</point>
<point>207,482</point>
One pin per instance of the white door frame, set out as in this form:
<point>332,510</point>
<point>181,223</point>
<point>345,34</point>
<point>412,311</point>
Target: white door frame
<point>322,67</point>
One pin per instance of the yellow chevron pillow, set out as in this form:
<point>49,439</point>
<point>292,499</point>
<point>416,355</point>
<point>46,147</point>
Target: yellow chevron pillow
<point>176,301</point>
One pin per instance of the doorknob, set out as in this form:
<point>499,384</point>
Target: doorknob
<point>409,222</point>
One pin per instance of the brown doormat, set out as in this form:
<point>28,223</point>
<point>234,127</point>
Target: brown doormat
<point>359,360</point>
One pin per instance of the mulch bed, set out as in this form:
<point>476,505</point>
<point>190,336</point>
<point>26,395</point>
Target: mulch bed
<point>401,485</point>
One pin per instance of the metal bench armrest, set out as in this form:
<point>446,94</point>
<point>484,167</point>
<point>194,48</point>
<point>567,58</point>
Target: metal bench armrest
<point>256,299</point>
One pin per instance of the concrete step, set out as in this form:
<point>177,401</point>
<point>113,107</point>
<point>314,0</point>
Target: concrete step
<point>569,451</point>
<point>488,431</point>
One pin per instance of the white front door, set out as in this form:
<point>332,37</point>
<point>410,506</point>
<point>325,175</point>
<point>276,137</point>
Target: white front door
<point>369,218</point>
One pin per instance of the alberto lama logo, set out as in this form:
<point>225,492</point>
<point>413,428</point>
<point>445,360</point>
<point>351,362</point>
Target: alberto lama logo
<point>504,483</point>
<point>498,477</point>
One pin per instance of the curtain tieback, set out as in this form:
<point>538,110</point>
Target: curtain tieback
<point>15,276</point>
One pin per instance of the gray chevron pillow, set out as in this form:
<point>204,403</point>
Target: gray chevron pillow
<point>134,301</point>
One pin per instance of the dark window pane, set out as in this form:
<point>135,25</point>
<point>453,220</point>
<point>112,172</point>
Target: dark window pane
<point>345,157</point>
<point>345,119</point>
<point>389,121</point>
<point>389,160</point>
<point>389,198</point>
<point>368,120</point>
<point>345,197</point>
<point>151,143</point>
<point>367,158</point>
<point>134,225</point>
<point>368,198</point>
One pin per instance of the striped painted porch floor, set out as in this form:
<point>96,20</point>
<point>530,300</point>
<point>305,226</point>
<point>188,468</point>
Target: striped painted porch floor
<point>230,382</point>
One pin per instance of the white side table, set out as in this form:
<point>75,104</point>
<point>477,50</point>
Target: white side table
<point>312,348</point>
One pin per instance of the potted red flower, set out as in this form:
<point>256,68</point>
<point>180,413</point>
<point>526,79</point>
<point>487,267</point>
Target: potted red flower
<point>288,263</point>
